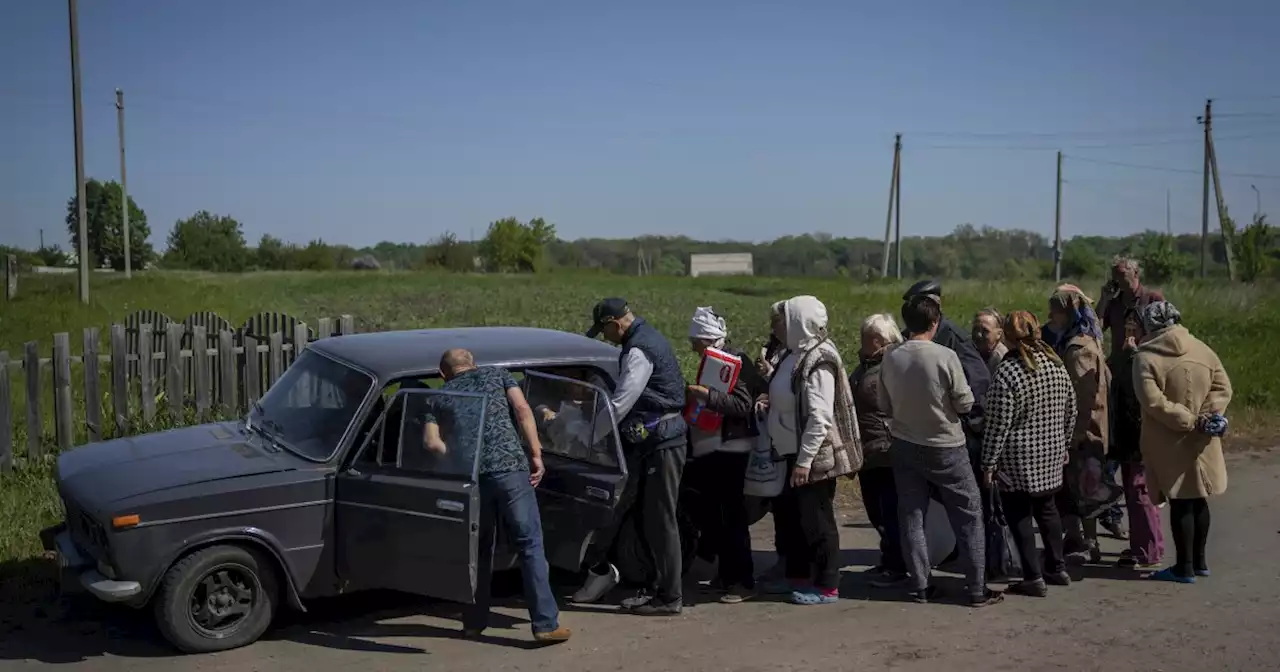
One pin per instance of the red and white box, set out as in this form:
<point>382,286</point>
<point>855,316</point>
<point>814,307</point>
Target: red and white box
<point>719,370</point>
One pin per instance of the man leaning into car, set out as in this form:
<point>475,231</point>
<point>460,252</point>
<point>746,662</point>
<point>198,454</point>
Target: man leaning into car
<point>507,481</point>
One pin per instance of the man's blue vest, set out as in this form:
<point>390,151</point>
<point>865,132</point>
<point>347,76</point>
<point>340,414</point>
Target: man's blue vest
<point>665,392</point>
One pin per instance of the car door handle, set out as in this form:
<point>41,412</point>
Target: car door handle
<point>597,493</point>
<point>449,505</point>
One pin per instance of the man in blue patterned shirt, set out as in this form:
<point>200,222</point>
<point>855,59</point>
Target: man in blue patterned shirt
<point>507,480</point>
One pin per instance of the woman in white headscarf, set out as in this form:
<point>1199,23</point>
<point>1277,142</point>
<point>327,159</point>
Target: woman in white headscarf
<point>718,463</point>
<point>813,424</point>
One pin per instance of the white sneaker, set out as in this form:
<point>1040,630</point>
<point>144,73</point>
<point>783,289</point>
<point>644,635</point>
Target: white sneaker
<point>597,586</point>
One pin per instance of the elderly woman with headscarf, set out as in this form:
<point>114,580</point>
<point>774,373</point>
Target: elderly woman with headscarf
<point>1146,541</point>
<point>813,424</point>
<point>1031,417</point>
<point>1183,391</point>
<point>772,354</point>
<point>718,465</point>
<point>1076,336</point>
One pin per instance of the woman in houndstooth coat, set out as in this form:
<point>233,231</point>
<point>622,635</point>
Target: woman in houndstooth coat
<point>1030,416</point>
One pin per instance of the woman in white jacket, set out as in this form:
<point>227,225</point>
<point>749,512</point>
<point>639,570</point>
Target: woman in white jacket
<point>812,422</point>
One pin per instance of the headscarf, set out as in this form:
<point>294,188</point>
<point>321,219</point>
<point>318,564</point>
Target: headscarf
<point>707,326</point>
<point>1160,315</point>
<point>1084,321</point>
<point>1023,329</point>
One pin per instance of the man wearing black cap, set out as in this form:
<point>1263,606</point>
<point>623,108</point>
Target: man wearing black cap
<point>647,403</point>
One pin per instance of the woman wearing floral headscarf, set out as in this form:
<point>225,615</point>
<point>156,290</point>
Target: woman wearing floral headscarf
<point>1076,336</point>
<point>718,465</point>
<point>1183,391</point>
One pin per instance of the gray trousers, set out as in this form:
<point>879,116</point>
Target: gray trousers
<point>948,470</point>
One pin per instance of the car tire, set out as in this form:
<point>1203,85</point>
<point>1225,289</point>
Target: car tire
<point>217,598</point>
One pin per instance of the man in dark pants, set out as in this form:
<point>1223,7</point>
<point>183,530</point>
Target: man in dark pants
<point>647,403</point>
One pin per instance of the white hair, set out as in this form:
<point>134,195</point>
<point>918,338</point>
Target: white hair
<point>882,325</point>
<point>1127,263</point>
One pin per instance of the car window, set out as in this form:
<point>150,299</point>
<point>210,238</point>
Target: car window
<point>309,409</point>
<point>440,433</point>
<point>566,412</point>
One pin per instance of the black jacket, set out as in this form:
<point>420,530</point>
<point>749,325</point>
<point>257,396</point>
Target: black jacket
<point>737,406</point>
<point>1126,412</point>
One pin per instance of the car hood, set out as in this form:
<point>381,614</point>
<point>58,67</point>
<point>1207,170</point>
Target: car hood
<point>101,473</point>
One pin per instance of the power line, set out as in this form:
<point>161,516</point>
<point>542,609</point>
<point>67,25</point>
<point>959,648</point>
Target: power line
<point>1168,169</point>
<point>1106,145</point>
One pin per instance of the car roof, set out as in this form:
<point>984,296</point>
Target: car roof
<point>392,354</point>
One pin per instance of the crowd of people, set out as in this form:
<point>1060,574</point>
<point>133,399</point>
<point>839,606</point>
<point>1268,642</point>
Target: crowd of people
<point>1015,426</point>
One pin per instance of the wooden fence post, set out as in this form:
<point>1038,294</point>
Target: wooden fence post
<point>348,325</point>
<point>119,378</point>
<point>252,372</point>
<point>35,426</point>
<point>92,399</point>
<point>145,371</point>
<point>227,371</point>
<point>200,370</point>
<point>275,357</point>
<point>173,389</point>
<point>11,277</point>
<point>6,416</point>
<point>62,420</point>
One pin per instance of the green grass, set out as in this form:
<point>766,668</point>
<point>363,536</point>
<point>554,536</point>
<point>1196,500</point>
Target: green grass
<point>1236,320</point>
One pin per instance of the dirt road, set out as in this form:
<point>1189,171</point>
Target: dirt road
<point>1107,620</point>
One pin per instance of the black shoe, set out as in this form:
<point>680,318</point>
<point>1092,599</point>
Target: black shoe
<point>1035,588</point>
<point>923,596</point>
<point>986,599</point>
<point>654,607</point>
<point>1058,578</point>
<point>641,598</point>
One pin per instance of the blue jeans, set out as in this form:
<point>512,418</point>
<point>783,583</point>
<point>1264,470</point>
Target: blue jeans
<point>511,496</point>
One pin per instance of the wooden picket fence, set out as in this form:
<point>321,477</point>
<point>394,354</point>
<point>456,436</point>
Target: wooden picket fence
<point>197,363</point>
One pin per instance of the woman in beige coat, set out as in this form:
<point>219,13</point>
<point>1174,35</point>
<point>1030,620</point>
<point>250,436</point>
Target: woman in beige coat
<point>1183,392</point>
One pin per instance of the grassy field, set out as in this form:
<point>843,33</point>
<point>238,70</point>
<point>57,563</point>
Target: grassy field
<point>1236,320</point>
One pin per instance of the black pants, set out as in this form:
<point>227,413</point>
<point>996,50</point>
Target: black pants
<point>814,554</point>
<point>1019,509</point>
<point>880,498</point>
<point>653,485</point>
<point>722,515</point>
<point>1190,524</point>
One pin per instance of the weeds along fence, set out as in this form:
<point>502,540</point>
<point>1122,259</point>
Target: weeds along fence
<point>193,369</point>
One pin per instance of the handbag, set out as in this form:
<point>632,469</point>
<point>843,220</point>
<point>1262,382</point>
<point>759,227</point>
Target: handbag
<point>1003,559</point>
<point>766,471</point>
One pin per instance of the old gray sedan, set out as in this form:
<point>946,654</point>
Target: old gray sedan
<point>325,487</point>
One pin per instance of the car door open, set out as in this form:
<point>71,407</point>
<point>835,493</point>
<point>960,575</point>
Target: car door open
<point>586,470</point>
<point>407,518</point>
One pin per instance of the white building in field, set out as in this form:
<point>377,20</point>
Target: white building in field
<point>721,264</point>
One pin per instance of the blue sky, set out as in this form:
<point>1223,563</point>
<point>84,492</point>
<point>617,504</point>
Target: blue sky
<point>399,119</point>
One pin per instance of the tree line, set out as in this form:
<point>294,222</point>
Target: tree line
<point>216,242</point>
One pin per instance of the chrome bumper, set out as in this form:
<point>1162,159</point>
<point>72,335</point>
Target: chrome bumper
<point>78,573</point>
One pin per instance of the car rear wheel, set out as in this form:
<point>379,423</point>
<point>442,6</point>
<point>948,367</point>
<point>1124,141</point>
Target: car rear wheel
<point>217,598</point>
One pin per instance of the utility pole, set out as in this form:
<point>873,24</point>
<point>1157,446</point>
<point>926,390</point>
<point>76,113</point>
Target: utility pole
<point>1257,211</point>
<point>888,218</point>
<point>1168,220</point>
<point>42,239</point>
<point>1206,121</point>
<point>1057,226</point>
<point>897,207</point>
<point>1228,231</point>
<point>124,186</point>
<point>81,214</point>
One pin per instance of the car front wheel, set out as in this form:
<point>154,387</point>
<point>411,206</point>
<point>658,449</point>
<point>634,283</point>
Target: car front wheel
<point>217,598</point>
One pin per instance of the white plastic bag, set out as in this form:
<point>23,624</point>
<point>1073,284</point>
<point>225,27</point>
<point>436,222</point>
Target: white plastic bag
<point>766,473</point>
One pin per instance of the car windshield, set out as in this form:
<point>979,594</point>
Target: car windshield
<point>310,407</point>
